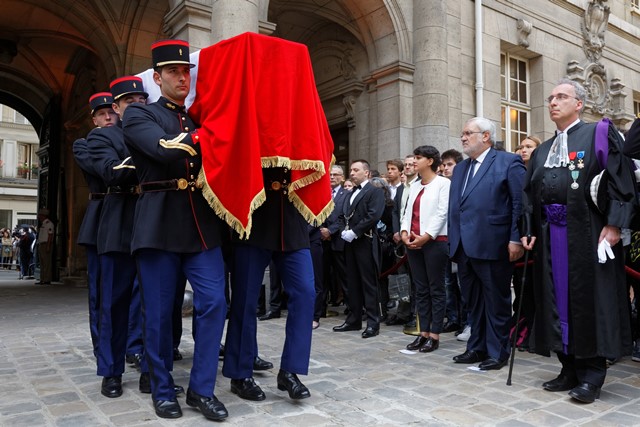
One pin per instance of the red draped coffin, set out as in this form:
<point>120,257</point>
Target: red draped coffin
<point>258,107</point>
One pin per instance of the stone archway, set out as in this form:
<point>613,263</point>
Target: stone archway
<point>362,58</point>
<point>53,56</point>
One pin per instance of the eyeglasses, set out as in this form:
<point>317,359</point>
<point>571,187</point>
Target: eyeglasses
<point>468,133</point>
<point>559,97</point>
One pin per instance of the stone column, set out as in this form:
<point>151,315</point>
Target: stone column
<point>430,88</point>
<point>232,17</point>
<point>189,20</point>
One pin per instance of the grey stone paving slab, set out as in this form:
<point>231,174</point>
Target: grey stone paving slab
<point>48,375</point>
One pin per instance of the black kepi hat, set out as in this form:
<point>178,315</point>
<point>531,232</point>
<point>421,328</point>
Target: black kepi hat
<point>127,85</point>
<point>100,100</point>
<point>165,52</point>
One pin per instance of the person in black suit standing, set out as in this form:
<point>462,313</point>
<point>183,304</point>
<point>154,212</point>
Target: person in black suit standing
<point>360,215</point>
<point>485,205</point>
<point>335,270</point>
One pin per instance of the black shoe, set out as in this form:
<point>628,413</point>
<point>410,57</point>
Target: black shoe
<point>261,365</point>
<point>383,318</point>
<point>560,383</point>
<point>370,332</point>
<point>395,320</point>
<point>167,408</point>
<point>417,343</point>
<point>246,388</point>
<point>221,353</point>
<point>470,356</point>
<point>345,327</point>
<point>111,387</point>
<point>134,359</point>
<point>291,383</point>
<point>430,345</point>
<point>270,315</point>
<point>211,407</point>
<point>585,392</point>
<point>176,354</point>
<point>491,364</point>
<point>391,305</point>
<point>451,327</point>
<point>144,385</point>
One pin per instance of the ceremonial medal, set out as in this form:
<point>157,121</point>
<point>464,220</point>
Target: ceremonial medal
<point>572,157</point>
<point>574,176</point>
<point>580,159</point>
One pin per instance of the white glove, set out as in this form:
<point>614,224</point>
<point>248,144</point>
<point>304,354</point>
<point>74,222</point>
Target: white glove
<point>604,251</point>
<point>348,236</point>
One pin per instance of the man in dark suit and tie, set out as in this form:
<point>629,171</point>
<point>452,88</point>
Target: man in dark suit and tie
<point>335,270</point>
<point>361,212</point>
<point>484,206</point>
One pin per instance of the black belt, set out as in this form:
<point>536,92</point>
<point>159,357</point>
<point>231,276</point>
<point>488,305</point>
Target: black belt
<point>96,196</point>
<point>169,185</point>
<point>123,189</point>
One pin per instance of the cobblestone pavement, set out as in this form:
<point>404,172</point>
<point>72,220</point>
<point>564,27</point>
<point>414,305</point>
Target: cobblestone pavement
<point>48,378</point>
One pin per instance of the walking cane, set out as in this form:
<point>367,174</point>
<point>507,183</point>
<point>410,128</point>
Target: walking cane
<point>515,331</point>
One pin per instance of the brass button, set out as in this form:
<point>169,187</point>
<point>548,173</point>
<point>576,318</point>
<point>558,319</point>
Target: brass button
<point>191,176</point>
<point>275,185</point>
<point>193,188</point>
<point>186,128</point>
<point>182,184</point>
<point>184,118</point>
<point>191,165</point>
<point>286,170</point>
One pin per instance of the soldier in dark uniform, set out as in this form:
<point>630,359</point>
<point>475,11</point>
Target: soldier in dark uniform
<point>103,116</point>
<point>112,162</point>
<point>176,235</point>
<point>279,233</point>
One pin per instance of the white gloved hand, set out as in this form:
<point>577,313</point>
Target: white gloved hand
<point>605,251</point>
<point>348,235</point>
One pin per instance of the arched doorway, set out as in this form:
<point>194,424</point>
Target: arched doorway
<point>53,56</point>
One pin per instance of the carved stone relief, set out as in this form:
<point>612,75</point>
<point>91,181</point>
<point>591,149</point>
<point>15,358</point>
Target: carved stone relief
<point>524,29</point>
<point>604,97</point>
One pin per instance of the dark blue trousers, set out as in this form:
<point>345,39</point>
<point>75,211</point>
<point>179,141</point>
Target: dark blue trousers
<point>93,282</point>
<point>134,338</point>
<point>118,272</point>
<point>296,270</point>
<point>486,290</point>
<point>159,274</point>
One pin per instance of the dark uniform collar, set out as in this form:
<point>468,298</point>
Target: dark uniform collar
<point>170,105</point>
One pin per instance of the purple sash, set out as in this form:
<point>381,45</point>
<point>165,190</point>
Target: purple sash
<point>557,218</point>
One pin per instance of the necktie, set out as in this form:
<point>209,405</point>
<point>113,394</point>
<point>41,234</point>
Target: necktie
<point>470,174</point>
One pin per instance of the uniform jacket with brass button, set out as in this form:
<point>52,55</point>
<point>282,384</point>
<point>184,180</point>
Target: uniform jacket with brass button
<point>277,225</point>
<point>112,162</point>
<point>161,140</point>
<point>88,233</point>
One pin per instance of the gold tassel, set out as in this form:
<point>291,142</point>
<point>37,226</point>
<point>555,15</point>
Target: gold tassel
<point>223,213</point>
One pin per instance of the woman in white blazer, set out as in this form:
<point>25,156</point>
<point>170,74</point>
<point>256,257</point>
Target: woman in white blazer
<point>424,232</point>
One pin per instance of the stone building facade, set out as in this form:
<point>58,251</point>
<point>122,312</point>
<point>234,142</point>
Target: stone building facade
<point>392,74</point>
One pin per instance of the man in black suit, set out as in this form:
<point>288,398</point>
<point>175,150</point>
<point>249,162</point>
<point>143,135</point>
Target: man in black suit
<point>333,245</point>
<point>404,313</point>
<point>360,215</point>
<point>485,204</point>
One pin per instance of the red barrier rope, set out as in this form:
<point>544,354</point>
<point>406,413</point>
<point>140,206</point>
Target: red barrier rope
<point>395,267</point>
